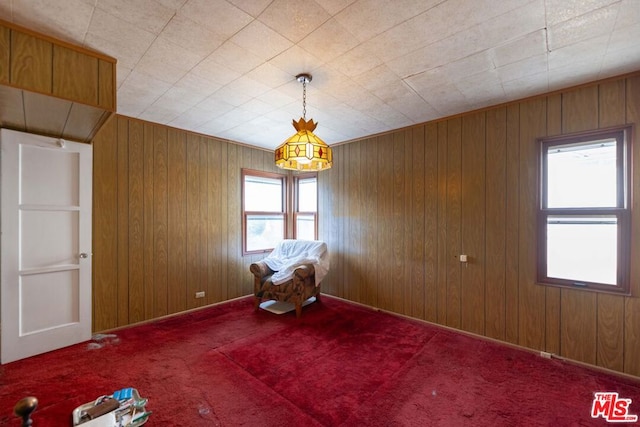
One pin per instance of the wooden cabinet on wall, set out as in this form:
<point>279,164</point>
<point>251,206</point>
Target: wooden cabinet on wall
<point>35,67</point>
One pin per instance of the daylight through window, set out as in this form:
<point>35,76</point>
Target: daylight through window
<point>275,207</point>
<point>583,217</point>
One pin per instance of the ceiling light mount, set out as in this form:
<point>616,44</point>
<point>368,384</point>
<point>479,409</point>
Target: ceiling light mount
<point>304,78</point>
<point>304,151</point>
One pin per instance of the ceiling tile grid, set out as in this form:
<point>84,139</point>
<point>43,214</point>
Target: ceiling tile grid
<point>227,68</point>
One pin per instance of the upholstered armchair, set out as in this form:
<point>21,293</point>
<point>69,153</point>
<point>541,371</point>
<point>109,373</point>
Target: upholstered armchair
<point>291,273</point>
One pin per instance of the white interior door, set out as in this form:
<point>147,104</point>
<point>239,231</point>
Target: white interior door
<point>45,249</point>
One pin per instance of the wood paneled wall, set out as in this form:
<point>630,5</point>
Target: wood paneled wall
<point>397,210</point>
<point>166,221</point>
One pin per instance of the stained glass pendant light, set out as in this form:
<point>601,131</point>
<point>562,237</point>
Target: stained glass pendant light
<point>304,151</point>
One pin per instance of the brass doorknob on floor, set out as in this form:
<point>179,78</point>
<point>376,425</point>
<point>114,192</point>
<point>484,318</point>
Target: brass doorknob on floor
<point>24,408</point>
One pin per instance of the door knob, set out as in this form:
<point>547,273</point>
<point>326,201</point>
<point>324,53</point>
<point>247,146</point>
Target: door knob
<point>83,255</point>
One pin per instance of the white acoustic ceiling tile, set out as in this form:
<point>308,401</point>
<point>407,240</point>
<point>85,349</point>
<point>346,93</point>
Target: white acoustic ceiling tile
<point>529,45</point>
<point>212,70</point>
<point>469,66</point>
<point>167,73</point>
<point>529,66</point>
<point>122,73</point>
<point>628,14</point>
<point>256,107</point>
<point>235,57</point>
<point>172,4</point>
<point>620,39</point>
<point>393,92</point>
<point>414,107</point>
<point>434,55</point>
<point>192,118</point>
<point>368,18</point>
<point>226,121</point>
<point>446,99</point>
<point>355,62</point>
<point>383,113</point>
<point>64,20</point>
<point>599,22</point>
<point>565,10</point>
<point>191,36</point>
<point>193,83</point>
<point>359,97</point>
<point>141,89</point>
<point>247,86</point>
<point>213,107</point>
<point>118,38</point>
<point>186,98</point>
<point>482,89</point>
<point>409,36</point>
<point>621,61</point>
<point>377,78</point>
<point>161,113</point>
<point>261,40</point>
<point>330,40</point>
<point>269,75</point>
<point>521,88</point>
<point>219,16</point>
<point>334,6</point>
<point>252,7</point>
<point>228,95</point>
<point>294,19</point>
<point>513,25</point>
<point>591,51</point>
<point>284,116</point>
<point>213,127</point>
<point>277,99</point>
<point>148,15</point>
<point>166,59</point>
<point>425,81</point>
<point>559,77</point>
<point>130,105</point>
<point>296,60</point>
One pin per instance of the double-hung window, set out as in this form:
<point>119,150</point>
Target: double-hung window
<point>264,210</point>
<point>584,215</point>
<point>277,206</point>
<point>306,206</point>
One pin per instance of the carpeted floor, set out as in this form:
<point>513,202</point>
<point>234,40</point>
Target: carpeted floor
<point>339,365</point>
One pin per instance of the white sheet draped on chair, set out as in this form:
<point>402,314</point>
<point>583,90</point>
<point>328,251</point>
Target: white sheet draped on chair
<point>289,254</point>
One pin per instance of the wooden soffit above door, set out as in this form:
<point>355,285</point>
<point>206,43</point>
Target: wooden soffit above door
<point>32,112</point>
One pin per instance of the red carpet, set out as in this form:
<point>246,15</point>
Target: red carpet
<point>340,364</point>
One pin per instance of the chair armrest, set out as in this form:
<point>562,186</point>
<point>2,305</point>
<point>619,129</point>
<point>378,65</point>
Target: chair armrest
<point>260,269</point>
<point>305,270</point>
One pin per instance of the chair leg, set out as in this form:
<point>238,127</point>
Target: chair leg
<point>318,297</point>
<point>298,309</point>
<point>256,303</point>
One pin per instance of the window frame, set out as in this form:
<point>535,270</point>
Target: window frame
<point>246,214</point>
<point>289,213</point>
<point>296,204</point>
<point>622,210</point>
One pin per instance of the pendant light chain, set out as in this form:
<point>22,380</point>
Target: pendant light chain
<point>304,98</point>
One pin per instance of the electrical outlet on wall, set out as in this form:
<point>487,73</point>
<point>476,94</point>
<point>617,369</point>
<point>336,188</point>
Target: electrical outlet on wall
<point>200,294</point>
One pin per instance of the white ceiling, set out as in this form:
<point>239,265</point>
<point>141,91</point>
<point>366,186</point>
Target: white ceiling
<point>227,68</point>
